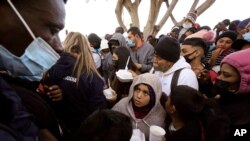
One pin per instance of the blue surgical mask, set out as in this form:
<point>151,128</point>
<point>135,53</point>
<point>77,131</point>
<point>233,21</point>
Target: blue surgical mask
<point>130,43</point>
<point>187,26</point>
<point>37,58</point>
<point>246,36</point>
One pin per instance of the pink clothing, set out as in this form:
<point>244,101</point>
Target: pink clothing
<point>207,36</point>
<point>213,75</point>
<point>241,62</point>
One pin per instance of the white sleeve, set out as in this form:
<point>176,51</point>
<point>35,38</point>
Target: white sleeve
<point>97,59</point>
<point>188,77</point>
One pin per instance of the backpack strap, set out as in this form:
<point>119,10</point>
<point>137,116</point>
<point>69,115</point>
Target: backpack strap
<point>175,78</point>
<point>100,70</point>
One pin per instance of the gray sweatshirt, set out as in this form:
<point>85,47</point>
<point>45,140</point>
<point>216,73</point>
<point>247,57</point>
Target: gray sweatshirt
<point>157,114</point>
<point>143,56</point>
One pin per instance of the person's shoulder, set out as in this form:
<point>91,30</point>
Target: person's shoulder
<point>6,135</point>
<point>187,75</point>
<point>148,45</point>
<point>186,70</point>
<point>122,104</point>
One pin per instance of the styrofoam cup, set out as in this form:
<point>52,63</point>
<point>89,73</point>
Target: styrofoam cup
<point>156,133</point>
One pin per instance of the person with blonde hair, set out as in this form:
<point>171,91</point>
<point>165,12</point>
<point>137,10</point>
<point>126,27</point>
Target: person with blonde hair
<point>81,84</point>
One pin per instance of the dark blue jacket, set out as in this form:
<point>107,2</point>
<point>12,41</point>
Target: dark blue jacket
<point>79,100</point>
<point>14,116</point>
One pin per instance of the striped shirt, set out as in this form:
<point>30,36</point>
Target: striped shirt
<point>219,58</point>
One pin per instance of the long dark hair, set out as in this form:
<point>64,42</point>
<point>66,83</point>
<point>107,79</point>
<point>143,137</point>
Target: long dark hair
<point>188,101</point>
<point>191,104</point>
<point>123,54</point>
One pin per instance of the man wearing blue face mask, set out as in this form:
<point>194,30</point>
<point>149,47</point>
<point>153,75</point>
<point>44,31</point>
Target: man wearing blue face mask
<point>141,52</point>
<point>29,45</point>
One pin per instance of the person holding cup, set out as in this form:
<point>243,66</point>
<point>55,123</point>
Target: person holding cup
<point>82,85</point>
<point>143,103</point>
<point>120,61</point>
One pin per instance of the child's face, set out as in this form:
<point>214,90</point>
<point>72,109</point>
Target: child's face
<point>141,95</point>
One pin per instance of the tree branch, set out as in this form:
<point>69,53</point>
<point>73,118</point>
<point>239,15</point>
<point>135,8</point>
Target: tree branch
<point>137,2</point>
<point>154,11</point>
<point>171,15</point>
<point>133,11</point>
<point>204,6</point>
<point>152,18</point>
<point>118,13</point>
<point>194,5</point>
<point>167,14</point>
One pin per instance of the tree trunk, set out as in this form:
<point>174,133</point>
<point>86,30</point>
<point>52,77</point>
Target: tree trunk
<point>155,6</point>
<point>165,17</point>
<point>118,12</point>
<point>151,28</point>
<point>133,11</point>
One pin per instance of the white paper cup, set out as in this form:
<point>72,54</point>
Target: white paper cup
<point>108,93</point>
<point>156,133</point>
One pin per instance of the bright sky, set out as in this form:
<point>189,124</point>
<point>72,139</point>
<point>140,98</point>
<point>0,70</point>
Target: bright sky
<point>98,16</point>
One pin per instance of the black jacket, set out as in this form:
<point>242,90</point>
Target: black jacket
<point>15,121</point>
<point>190,132</point>
<point>79,100</point>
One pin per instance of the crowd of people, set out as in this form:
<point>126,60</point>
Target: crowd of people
<point>194,82</point>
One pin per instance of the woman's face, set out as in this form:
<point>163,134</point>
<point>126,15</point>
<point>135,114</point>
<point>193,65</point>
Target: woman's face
<point>141,95</point>
<point>115,57</point>
<point>230,74</point>
<point>224,43</point>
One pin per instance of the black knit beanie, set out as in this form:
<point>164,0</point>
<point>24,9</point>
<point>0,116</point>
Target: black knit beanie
<point>230,34</point>
<point>168,48</point>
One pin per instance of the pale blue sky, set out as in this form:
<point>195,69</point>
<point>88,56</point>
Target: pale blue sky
<point>98,16</point>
